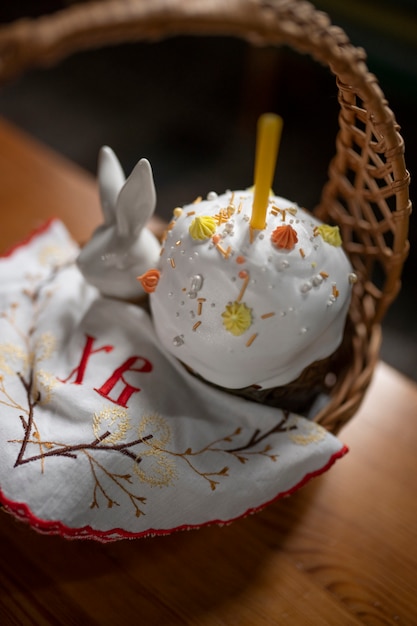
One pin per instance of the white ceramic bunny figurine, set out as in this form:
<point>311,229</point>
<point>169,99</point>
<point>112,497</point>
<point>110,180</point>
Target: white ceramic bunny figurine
<point>121,248</point>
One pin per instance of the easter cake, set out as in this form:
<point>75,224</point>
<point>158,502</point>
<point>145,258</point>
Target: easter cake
<point>243,307</point>
<point>250,289</point>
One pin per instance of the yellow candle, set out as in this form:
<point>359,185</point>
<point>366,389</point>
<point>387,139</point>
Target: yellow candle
<point>267,144</point>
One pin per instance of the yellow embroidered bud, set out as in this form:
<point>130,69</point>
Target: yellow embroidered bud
<point>202,227</point>
<point>330,234</point>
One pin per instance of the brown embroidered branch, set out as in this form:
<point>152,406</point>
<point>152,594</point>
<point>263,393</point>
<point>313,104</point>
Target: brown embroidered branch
<point>27,385</point>
<point>206,475</point>
<point>28,358</point>
<point>253,440</point>
<point>34,296</point>
<point>256,437</point>
<point>70,450</point>
<point>117,480</point>
<point>10,402</point>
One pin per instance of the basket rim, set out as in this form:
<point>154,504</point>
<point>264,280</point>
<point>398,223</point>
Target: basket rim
<point>46,40</point>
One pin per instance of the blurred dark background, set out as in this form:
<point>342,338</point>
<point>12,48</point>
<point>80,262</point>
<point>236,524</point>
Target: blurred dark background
<point>190,106</point>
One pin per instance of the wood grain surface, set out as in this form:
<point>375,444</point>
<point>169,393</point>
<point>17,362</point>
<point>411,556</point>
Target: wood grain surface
<point>343,550</point>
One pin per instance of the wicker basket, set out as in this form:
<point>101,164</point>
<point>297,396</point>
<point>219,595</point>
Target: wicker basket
<point>367,193</point>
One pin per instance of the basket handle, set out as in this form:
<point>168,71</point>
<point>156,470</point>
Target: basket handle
<point>44,41</point>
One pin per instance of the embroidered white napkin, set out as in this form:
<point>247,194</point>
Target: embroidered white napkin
<point>103,435</point>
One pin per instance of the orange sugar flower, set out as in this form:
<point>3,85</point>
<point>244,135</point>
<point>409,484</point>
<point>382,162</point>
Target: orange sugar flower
<point>149,280</point>
<point>284,237</point>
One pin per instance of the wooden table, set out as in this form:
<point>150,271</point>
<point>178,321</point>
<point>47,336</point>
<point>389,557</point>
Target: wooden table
<point>343,550</point>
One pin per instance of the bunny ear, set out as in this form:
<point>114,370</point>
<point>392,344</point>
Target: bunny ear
<point>110,180</point>
<point>137,200</point>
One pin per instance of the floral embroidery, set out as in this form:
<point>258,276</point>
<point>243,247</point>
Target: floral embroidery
<point>106,419</point>
<point>156,468</point>
<point>53,255</point>
<point>307,433</point>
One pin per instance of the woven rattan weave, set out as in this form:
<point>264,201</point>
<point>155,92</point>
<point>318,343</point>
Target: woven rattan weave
<point>367,192</point>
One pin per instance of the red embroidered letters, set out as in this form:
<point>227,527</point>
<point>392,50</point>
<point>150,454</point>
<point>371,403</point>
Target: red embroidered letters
<point>118,376</point>
<point>124,390</point>
<point>79,371</point>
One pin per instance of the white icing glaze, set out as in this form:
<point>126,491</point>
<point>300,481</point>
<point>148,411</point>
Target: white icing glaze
<point>297,299</point>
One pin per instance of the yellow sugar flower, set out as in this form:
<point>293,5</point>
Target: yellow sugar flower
<point>330,234</point>
<point>202,227</point>
<point>237,318</point>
